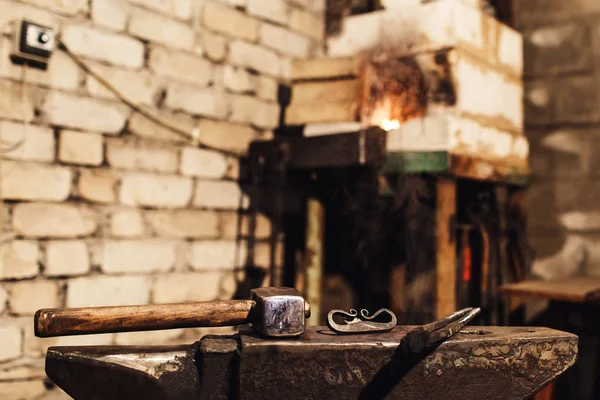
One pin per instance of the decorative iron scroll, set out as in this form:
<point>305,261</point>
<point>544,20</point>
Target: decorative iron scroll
<point>353,323</point>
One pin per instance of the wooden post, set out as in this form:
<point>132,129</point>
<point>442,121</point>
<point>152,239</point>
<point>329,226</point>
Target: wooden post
<point>313,265</point>
<point>445,299</point>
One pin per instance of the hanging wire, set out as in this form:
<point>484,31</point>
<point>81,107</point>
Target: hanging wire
<point>137,108</point>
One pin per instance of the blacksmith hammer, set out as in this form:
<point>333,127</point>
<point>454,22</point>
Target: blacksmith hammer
<point>273,312</point>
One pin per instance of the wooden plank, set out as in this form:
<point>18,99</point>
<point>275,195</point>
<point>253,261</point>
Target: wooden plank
<point>300,114</point>
<point>445,303</point>
<point>325,68</point>
<point>315,227</point>
<point>576,290</point>
<point>341,91</point>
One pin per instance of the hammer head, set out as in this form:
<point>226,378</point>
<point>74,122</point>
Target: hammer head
<point>279,312</point>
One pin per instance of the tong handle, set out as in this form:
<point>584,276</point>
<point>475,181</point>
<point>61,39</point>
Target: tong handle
<point>52,322</point>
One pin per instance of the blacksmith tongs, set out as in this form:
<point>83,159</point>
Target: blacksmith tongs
<point>417,344</point>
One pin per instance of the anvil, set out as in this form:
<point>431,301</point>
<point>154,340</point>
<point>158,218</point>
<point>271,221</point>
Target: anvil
<point>479,362</point>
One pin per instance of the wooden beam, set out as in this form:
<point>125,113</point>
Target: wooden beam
<point>445,299</point>
<point>314,258</point>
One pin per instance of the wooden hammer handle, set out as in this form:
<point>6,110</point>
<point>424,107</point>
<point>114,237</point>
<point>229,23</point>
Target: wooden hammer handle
<point>51,322</point>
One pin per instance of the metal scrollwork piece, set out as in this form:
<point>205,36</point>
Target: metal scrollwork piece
<point>353,323</point>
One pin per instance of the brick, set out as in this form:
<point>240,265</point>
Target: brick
<point>53,220</point>
<point>143,127</point>
<point>254,57</point>
<point>326,112</point>
<point>325,92</point>
<point>81,148</point>
<point>587,106</point>
<point>225,135</point>
<point>139,189</point>
<point>138,86</point>
<point>538,102</point>
<point>61,73</point>
<point>184,224</point>
<point>104,46</point>
<point>180,66</point>
<point>274,10</point>
<point>16,101</point>
<point>29,296</point>
<point>285,69</point>
<point>560,154</point>
<point>186,287</point>
<point>19,259</point>
<point>214,46</point>
<point>72,111</point>
<point>141,156</point>
<point>267,88</point>
<point>66,258</point>
<point>18,390</point>
<point>3,299</point>
<point>12,11</point>
<point>230,230</point>
<point>238,80</point>
<point>557,49</point>
<point>97,186</point>
<point>230,22</point>
<point>527,12</point>
<point>27,142</point>
<point>65,7</point>
<point>138,256</point>
<point>207,102</point>
<point>203,163</point>
<point>159,29</point>
<point>308,24</point>
<point>325,68</point>
<point>503,111</point>
<point>284,41</point>
<point>127,224</point>
<point>217,255</point>
<point>147,338</point>
<point>110,14</point>
<point>12,342</point>
<point>219,194</point>
<point>596,42</point>
<point>249,109</point>
<point>181,9</point>
<point>108,291</point>
<point>27,181</point>
<point>318,5</point>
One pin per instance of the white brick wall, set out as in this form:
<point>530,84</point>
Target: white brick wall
<point>103,46</point>
<point>109,207</point>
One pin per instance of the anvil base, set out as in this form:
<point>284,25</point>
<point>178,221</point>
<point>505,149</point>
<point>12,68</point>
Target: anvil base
<point>480,362</point>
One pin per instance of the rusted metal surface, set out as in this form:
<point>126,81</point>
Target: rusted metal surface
<point>125,372</point>
<point>217,363</point>
<point>495,363</point>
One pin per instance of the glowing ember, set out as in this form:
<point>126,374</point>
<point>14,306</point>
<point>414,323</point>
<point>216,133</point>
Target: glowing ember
<point>388,125</point>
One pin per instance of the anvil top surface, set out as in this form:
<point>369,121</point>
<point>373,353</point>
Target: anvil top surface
<point>322,337</point>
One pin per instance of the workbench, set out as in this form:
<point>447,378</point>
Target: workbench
<point>573,306</point>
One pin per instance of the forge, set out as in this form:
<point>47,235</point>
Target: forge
<point>412,120</point>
